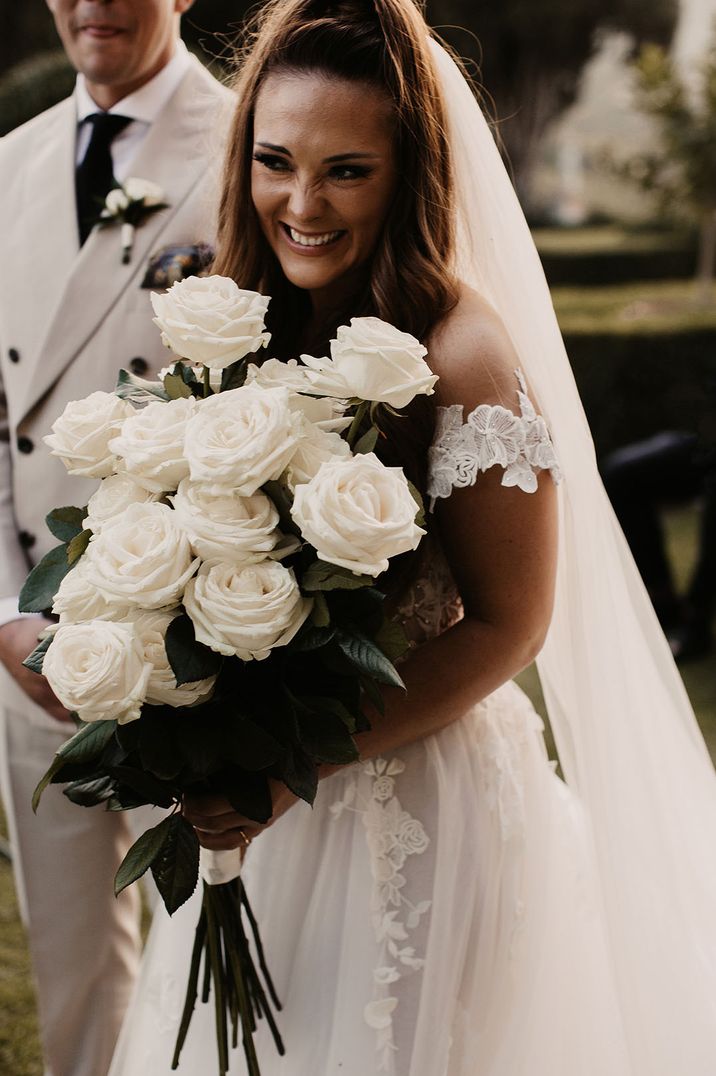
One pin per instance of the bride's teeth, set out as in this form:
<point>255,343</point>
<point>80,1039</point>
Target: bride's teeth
<point>313,240</point>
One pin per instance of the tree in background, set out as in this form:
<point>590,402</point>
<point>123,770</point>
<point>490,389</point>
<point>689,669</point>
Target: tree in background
<point>681,172</point>
<point>529,53</point>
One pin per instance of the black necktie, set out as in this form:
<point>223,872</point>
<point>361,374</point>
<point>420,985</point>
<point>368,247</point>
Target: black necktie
<point>94,177</point>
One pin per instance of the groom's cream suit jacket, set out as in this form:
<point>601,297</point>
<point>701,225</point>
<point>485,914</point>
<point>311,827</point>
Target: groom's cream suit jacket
<point>70,318</point>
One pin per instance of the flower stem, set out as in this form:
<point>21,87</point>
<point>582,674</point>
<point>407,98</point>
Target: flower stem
<point>207,382</point>
<point>355,426</point>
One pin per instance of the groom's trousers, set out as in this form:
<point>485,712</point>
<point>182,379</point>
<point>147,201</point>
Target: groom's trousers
<point>86,970</point>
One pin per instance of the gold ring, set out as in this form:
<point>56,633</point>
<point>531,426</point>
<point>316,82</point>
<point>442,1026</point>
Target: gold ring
<point>245,838</point>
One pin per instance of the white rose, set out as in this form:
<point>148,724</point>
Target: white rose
<point>241,438</point>
<point>115,203</point>
<point>143,190</point>
<point>226,526</point>
<point>81,435</point>
<point>273,373</point>
<point>112,497</point>
<point>98,670</point>
<point>78,599</point>
<point>210,320</point>
<point>141,558</point>
<point>162,689</point>
<point>151,443</point>
<point>373,360</point>
<point>357,513</point>
<point>245,611</point>
<point>325,412</point>
<point>315,448</point>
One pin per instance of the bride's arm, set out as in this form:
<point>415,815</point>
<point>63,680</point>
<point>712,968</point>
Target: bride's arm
<point>501,546</point>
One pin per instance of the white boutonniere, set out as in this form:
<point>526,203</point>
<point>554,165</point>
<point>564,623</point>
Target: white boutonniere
<point>128,205</point>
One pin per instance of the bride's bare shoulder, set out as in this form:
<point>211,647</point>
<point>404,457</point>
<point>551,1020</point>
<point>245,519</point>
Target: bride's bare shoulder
<point>471,352</point>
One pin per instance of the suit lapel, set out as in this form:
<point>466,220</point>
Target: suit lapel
<point>172,155</point>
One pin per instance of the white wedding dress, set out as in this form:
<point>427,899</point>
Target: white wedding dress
<point>435,913</point>
<point>455,909</point>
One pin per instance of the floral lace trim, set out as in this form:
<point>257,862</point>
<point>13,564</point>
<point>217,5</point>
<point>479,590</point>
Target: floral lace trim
<point>491,435</point>
<point>393,835</point>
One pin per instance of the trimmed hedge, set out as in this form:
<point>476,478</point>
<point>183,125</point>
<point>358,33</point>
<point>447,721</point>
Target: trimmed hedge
<point>618,267</point>
<point>33,85</point>
<point>633,386</point>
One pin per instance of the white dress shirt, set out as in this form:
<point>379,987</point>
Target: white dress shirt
<point>143,106</point>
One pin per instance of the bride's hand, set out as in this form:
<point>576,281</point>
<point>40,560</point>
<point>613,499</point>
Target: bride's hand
<point>218,826</point>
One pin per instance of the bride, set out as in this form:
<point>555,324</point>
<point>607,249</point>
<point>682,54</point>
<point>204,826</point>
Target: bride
<point>450,907</point>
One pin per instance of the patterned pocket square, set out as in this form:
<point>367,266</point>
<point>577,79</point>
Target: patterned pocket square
<point>174,263</point>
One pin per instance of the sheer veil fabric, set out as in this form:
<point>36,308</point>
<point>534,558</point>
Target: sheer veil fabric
<point>627,738</point>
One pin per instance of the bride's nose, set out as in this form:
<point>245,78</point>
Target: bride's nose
<point>305,201</point>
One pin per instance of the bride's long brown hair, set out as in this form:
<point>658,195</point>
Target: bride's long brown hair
<point>411,281</point>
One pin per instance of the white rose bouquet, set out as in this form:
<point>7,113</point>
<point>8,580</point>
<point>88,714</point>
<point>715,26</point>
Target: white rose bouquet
<point>220,617</point>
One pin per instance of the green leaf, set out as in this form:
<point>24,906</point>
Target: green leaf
<point>43,582</point>
<point>373,692</point>
<point>283,501</point>
<point>77,546</point>
<point>190,660</point>
<point>368,658</point>
<point>367,442</point>
<point>176,387</point>
<point>145,785</point>
<point>136,389</point>
<point>416,495</point>
<point>311,639</point>
<point>34,661</point>
<point>392,640</point>
<point>321,614</point>
<point>234,376</point>
<point>300,773</point>
<point>65,523</point>
<point>142,854</point>
<point>159,754</point>
<point>324,576</point>
<point>248,745</point>
<point>248,793</point>
<point>326,738</point>
<point>176,866</point>
<point>90,792</point>
<point>87,744</point>
<point>55,767</point>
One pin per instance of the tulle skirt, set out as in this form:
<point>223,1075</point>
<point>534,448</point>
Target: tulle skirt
<point>435,914</point>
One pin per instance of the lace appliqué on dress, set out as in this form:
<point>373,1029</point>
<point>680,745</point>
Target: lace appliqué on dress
<point>491,435</point>
<point>393,835</point>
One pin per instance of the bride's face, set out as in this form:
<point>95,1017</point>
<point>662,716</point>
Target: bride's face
<point>323,176</point>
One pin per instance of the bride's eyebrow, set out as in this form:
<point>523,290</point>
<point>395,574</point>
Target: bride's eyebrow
<point>357,155</point>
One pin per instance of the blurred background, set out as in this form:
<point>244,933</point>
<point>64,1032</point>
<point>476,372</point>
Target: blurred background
<point>606,110</point>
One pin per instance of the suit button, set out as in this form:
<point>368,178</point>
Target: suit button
<point>25,445</point>
<point>139,366</point>
<point>13,354</point>
<point>26,539</point>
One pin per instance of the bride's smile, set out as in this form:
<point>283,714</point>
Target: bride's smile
<point>323,176</point>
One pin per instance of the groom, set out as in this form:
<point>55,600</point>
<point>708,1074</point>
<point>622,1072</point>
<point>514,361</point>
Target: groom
<point>72,314</point>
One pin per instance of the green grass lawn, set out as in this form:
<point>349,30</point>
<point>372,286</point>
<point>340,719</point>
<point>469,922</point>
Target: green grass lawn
<point>19,1049</point>
<point>650,306</point>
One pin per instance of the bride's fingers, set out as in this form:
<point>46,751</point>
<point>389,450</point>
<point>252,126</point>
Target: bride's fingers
<point>207,805</point>
<point>229,839</point>
<point>218,823</point>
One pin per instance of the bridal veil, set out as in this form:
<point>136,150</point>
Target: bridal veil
<point>628,742</point>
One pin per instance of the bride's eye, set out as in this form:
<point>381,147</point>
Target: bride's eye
<point>350,171</point>
<point>272,162</point>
